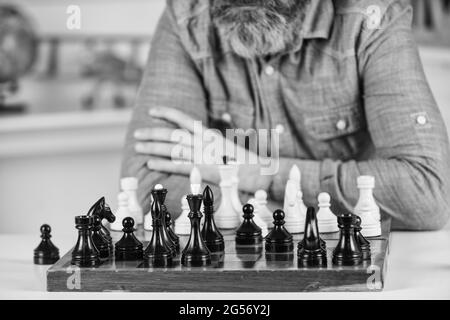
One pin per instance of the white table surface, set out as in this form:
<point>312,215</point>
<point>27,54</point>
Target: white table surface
<point>418,268</point>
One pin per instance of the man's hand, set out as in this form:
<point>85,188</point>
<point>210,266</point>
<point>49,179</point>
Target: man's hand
<point>178,150</point>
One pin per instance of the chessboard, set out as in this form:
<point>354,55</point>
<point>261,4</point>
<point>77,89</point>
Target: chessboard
<point>238,269</point>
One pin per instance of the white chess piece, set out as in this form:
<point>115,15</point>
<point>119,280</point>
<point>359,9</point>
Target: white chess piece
<point>294,208</point>
<point>129,186</point>
<point>295,214</point>
<point>148,220</point>
<point>122,212</point>
<point>366,207</point>
<point>235,200</point>
<point>227,217</point>
<point>293,183</point>
<point>263,211</point>
<point>195,179</point>
<point>257,218</point>
<point>182,223</point>
<point>327,220</point>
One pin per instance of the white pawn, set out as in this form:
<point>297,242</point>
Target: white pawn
<point>295,214</point>
<point>122,212</point>
<point>257,218</point>
<point>129,186</point>
<point>327,220</point>
<point>227,216</point>
<point>263,211</point>
<point>182,223</point>
<point>148,220</point>
<point>235,200</point>
<point>366,207</point>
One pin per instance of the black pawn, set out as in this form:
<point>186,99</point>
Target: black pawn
<point>363,242</point>
<point>100,242</point>
<point>248,233</point>
<point>158,252</point>
<point>279,240</point>
<point>128,247</point>
<point>210,234</point>
<point>312,249</point>
<point>46,252</point>
<point>174,244</point>
<point>347,252</point>
<point>196,253</point>
<point>85,254</point>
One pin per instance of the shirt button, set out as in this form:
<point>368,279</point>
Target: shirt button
<point>422,120</point>
<point>226,117</point>
<point>341,125</point>
<point>270,70</point>
<point>279,128</point>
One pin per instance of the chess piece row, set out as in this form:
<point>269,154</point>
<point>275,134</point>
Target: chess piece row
<point>352,248</point>
<point>295,209</point>
<point>95,244</point>
<point>229,216</point>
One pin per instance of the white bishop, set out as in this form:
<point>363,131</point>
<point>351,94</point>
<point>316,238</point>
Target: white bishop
<point>294,208</point>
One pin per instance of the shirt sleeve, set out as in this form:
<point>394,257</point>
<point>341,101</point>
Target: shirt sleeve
<point>171,79</point>
<point>407,130</point>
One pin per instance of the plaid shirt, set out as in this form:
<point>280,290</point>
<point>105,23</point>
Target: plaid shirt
<point>350,100</point>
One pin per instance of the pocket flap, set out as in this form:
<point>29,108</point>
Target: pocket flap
<point>334,122</point>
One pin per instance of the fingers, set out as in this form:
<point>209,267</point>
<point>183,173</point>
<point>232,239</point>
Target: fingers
<point>169,166</point>
<point>164,149</point>
<point>209,173</point>
<point>181,119</point>
<point>154,134</point>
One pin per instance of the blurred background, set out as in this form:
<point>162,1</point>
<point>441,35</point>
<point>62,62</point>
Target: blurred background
<point>67,89</point>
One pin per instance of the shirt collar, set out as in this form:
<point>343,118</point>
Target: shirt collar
<point>318,20</point>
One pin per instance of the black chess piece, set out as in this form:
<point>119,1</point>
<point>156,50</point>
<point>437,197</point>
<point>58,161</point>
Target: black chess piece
<point>158,253</point>
<point>46,252</point>
<point>128,247</point>
<point>347,251</point>
<point>312,249</point>
<point>174,244</point>
<point>196,253</point>
<point>100,242</point>
<point>248,232</point>
<point>170,232</point>
<point>210,233</point>
<point>279,240</point>
<point>363,242</point>
<point>102,209</point>
<point>85,254</point>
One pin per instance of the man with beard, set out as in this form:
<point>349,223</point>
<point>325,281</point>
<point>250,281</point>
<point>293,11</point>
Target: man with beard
<point>339,82</point>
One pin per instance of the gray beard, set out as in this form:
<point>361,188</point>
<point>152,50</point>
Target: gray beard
<point>256,28</point>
